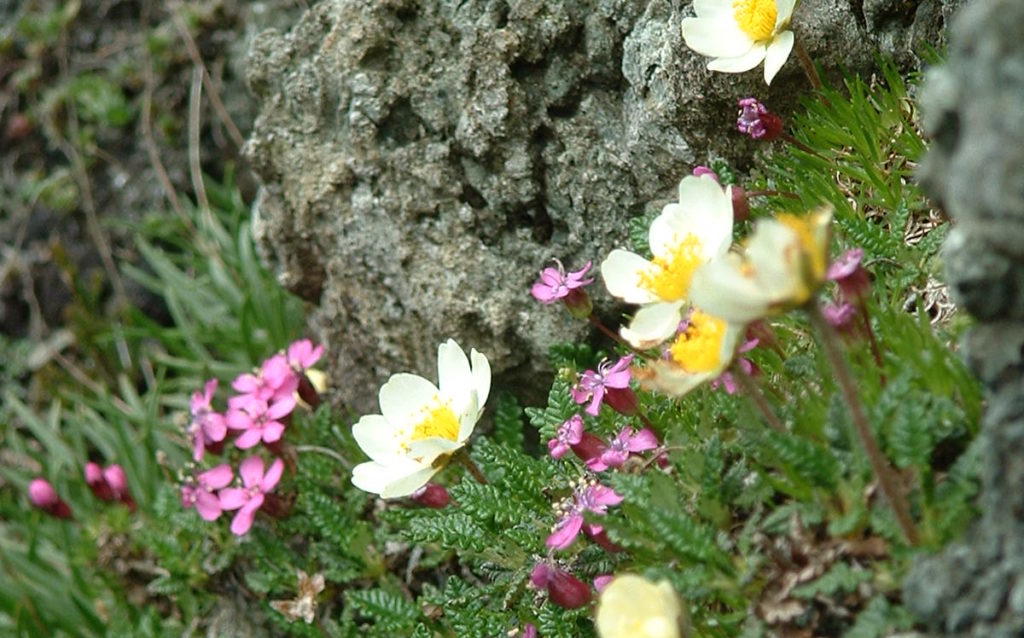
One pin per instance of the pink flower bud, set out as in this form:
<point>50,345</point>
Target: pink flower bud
<point>98,482</point>
<point>757,121</point>
<point>118,482</point>
<point>700,171</point>
<point>847,271</point>
<point>43,496</point>
<point>432,495</point>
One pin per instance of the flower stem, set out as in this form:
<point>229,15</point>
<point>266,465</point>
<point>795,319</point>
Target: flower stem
<point>465,461</point>
<point>326,452</point>
<point>800,145</point>
<point>875,351</point>
<point>808,66</point>
<point>753,392</point>
<point>608,332</point>
<point>886,475</point>
<point>771,193</point>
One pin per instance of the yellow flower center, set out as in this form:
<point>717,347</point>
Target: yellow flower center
<point>439,421</point>
<point>673,272</point>
<point>756,18</point>
<point>699,347</point>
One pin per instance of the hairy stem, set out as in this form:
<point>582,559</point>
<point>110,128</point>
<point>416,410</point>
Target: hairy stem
<point>465,461</point>
<point>808,66</point>
<point>887,479</point>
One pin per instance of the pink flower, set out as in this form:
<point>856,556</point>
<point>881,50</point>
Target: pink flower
<point>207,426</point>
<point>609,382</point>
<point>302,355</point>
<point>529,631</point>
<point>621,446</point>
<point>757,121</point>
<point>247,500</point>
<point>589,496</point>
<point>847,271</point>
<point>569,433</point>
<point>43,496</point>
<point>274,380</point>
<point>840,316</point>
<point>198,492</point>
<point>726,380</point>
<point>699,171</point>
<point>564,589</point>
<point>555,284</point>
<point>97,483</point>
<point>259,421</point>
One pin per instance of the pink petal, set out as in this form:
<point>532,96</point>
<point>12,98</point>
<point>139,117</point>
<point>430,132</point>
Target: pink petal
<point>208,506</point>
<point>238,420</point>
<point>566,532</point>
<point>603,496</point>
<point>600,582</point>
<point>574,429</point>
<point>116,479</point>
<point>198,447</point>
<point>643,440</point>
<point>540,576</point>
<point>250,438</point>
<point>231,498</point>
<point>272,431</point>
<point>214,428</point>
<point>281,408</point>
<point>242,521</point>
<point>216,477</point>
<point>557,448</point>
<point>611,458</point>
<point>246,383</point>
<point>208,391</point>
<point>596,464</point>
<point>272,476</point>
<point>251,471</point>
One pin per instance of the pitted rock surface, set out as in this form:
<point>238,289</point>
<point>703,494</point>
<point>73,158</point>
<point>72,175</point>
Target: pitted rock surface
<point>975,167</point>
<point>422,161</point>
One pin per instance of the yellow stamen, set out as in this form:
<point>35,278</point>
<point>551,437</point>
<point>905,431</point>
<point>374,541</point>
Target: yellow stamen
<point>756,18</point>
<point>699,347</point>
<point>439,421</point>
<point>673,272</point>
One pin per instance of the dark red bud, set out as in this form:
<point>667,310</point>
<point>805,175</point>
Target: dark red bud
<point>590,446</point>
<point>98,483</point>
<point>308,393</point>
<point>740,205</point>
<point>565,590</point>
<point>772,124</point>
<point>622,400</point>
<point>601,538</point>
<point>432,495</point>
<point>18,127</point>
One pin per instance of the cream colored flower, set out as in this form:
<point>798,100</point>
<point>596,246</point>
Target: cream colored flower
<point>781,267</point>
<point>700,352</point>
<point>633,607</point>
<point>421,425</point>
<point>740,34</point>
<point>685,236</point>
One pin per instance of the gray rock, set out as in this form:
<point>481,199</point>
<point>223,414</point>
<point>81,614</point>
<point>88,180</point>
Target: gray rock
<point>422,161</point>
<point>976,168</point>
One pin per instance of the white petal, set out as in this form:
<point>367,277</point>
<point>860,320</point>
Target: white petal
<point>621,271</point>
<point>371,477</point>
<point>708,213</point>
<point>376,436</point>
<point>716,38</point>
<point>668,229</point>
<point>409,483</point>
<point>481,378</point>
<point>785,12</point>
<point>454,377</point>
<point>426,450</point>
<point>671,379</point>
<point>653,324</point>
<point>404,397</point>
<point>741,63</point>
<point>722,290</point>
<point>716,9</point>
<point>777,54</point>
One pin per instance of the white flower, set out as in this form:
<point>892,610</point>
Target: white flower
<point>685,236</point>
<point>701,351</point>
<point>782,265</point>
<point>740,34</point>
<point>420,425</point>
<point>631,606</point>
